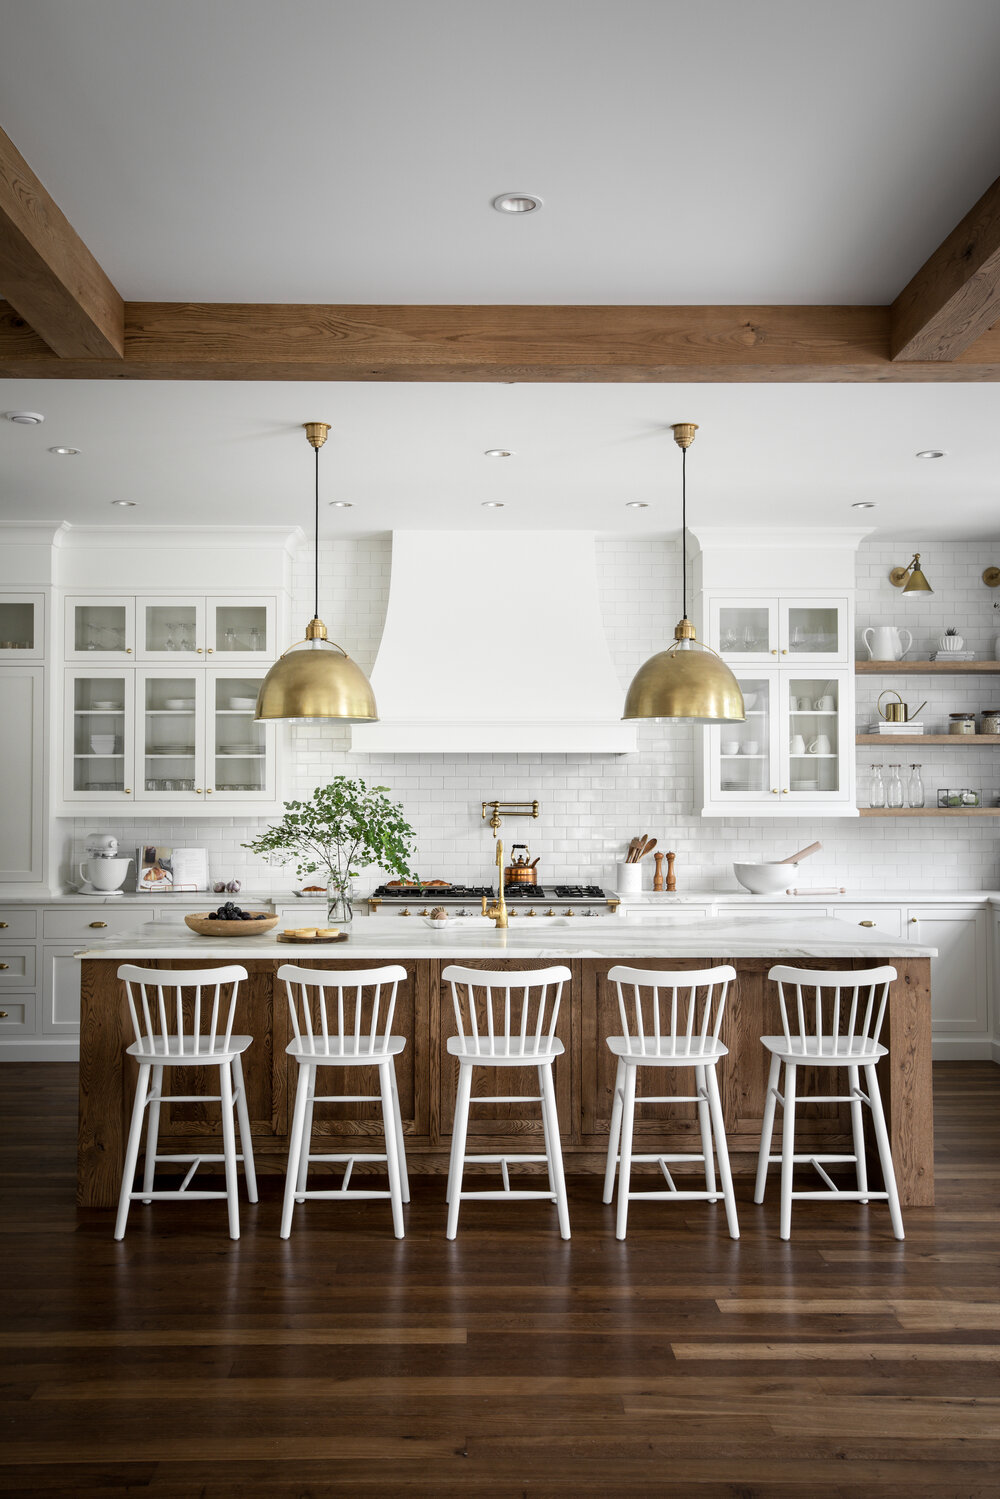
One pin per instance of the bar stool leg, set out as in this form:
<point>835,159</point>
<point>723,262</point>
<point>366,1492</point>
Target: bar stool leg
<point>152,1133</point>
<point>400,1145</point>
<point>132,1150</point>
<point>294,1147</point>
<point>787,1151</point>
<point>459,1133</point>
<point>705,1125</point>
<point>722,1150</point>
<point>555,1148</point>
<point>614,1138</point>
<point>302,1171</point>
<point>243,1119</point>
<point>767,1128</point>
<point>391,1148</point>
<point>229,1149</point>
<point>884,1151</point>
<point>625,1168</point>
<point>547,1133</point>
<point>858,1130</point>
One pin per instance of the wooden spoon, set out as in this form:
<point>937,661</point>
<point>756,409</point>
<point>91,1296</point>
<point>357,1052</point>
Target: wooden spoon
<point>630,856</point>
<point>803,853</point>
<point>647,848</point>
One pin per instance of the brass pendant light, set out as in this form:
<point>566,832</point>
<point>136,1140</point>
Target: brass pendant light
<point>315,678</point>
<point>688,681</point>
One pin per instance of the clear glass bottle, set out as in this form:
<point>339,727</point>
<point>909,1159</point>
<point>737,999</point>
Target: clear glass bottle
<point>876,788</point>
<point>915,788</point>
<point>894,790</point>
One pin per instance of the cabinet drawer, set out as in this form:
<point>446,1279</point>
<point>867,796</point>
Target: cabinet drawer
<point>17,923</point>
<point>17,967</point>
<point>88,923</point>
<point>885,919</point>
<point>17,1015</point>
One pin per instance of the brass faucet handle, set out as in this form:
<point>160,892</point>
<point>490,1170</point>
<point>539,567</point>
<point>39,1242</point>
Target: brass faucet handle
<point>484,900</point>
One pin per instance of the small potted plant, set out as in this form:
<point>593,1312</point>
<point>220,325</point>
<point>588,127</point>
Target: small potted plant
<point>951,640</point>
<point>343,827</point>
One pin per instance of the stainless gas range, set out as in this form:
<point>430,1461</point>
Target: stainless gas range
<point>585,901</point>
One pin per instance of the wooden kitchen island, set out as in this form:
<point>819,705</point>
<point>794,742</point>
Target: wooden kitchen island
<point>584,1077</point>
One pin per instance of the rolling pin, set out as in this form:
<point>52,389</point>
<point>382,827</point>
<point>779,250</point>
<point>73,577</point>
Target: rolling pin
<point>658,876</point>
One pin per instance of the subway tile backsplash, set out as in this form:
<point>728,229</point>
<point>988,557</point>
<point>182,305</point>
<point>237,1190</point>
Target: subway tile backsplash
<point>592,805</point>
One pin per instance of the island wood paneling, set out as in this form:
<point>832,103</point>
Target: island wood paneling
<point>584,1077</point>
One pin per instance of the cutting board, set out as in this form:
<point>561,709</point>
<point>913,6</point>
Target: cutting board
<point>287,937</point>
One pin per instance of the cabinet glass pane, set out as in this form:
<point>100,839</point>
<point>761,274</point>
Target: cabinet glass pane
<point>240,627</point>
<point>98,734</point>
<point>170,627</point>
<point>743,628</point>
<point>813,631</point>
<point>169,734</point>
<point>99,627</point>
<point>813,730</point>
<point>744,748</point>
<point>238,747</point>
<point>17,626</point>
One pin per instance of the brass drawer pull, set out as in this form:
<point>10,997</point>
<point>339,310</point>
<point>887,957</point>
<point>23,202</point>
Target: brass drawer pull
<point>4,1014</point>
<point>4,925</point>
<point>98,923</point>
<point>866,923</point>
<point>4,965</point>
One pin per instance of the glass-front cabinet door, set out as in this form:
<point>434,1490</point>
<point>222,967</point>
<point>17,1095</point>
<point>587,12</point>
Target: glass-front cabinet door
<point>744,630</point>
<point>99,730</point>
<point>240,752</point>
<point>241,630</point>
<point>814,630</point>
<point>743,765</point>
<point>22,627</point>
<point>815,738</point>
<point>171,629</point>
<point>170,735</point>
<point>100,629</point>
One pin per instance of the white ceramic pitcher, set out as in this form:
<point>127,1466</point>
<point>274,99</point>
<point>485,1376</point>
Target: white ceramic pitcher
<point>886,644</point>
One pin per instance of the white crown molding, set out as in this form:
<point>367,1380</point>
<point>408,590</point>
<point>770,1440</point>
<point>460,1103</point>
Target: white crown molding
<point>798,537</point>
<point>121,538</point>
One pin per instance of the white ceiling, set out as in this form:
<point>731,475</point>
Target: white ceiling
<point>411,455</point>
<point>347,150</point>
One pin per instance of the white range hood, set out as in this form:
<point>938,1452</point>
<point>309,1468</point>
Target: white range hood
<point>494,644</point>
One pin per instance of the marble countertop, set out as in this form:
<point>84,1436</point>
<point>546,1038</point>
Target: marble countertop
<point>803,937</point>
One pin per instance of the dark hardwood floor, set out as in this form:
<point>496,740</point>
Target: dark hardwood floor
<point>508,1363</point>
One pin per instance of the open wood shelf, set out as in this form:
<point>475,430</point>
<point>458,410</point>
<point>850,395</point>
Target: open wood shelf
<point>958,668</point>
<point>929,811</point>
<point>965,740</point>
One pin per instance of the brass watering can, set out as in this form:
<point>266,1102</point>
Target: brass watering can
<point>897,712</point>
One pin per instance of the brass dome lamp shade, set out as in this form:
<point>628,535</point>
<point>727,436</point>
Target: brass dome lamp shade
<point>314,678</point>
<point>687,682</point>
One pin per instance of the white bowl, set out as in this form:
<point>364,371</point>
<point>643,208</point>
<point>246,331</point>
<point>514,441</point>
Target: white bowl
<point>102,744</point>
<point>180,703</point>
<point>749,700</point>
<point>105,707</point>
<point>765,879</point>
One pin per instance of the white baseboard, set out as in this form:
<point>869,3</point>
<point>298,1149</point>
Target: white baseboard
<point>958,1049</point>
<point>39,1049</point>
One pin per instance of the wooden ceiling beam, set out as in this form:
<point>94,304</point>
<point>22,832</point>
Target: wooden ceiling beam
<point>191,341</point>
<point>955,296</point>
<point>48,274</point>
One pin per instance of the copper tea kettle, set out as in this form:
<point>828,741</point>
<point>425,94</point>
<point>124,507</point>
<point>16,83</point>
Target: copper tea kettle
<point>519,871</point>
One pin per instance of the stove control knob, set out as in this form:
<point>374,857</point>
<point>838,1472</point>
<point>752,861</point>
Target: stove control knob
<point>570,913</point>
<point>425,912</point>
<point>404,913</point>
<point>531,912</point>
<point>512,914</point>
<point>463,912</point>
<point>550,912</point>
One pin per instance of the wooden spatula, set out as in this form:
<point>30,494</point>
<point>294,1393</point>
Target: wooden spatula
<point>647,848</point>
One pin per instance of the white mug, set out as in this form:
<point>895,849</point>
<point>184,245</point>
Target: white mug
<point>805,706</point>
<point>820,745</point>
<point>826,704</point>
<point>796,745</point>
<point>793,705</point>
<point>751,747</point>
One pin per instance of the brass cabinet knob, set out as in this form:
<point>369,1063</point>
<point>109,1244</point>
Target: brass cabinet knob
<point>866,923</point>
<point>199,650</point>
<point>128,650</point>
<point>98,923</point>
<point>774,790</point>
<point>914,920</point>
<point>4,965</point>
<point>784,652</point>
<point>774,653</point>
<point>197,791</point>
<point>208,791</point>
<point>784,790</point>
<point>128,790</point>
<point>210,651</point>
<point>3,924</point>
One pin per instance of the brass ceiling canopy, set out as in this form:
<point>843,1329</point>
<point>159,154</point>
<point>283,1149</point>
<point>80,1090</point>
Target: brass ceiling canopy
<point>688,681</point>
<point>315,678</point>
<point>910,579</point>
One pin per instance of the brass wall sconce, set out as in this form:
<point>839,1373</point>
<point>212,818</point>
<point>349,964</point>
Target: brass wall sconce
<point>509,809</point>
<point>991,577</point>
<point>910,579</point>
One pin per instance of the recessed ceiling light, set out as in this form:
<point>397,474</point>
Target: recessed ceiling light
<point>517,203</point>
<point>342,504</point>
<point>24,418</point>
<point>498,453</point>
<point>130,503</point>
<point>492,504</point>
<point>65,452</point>
<point>863,505</point>
<point>929,453</point>
<point>636,504</point>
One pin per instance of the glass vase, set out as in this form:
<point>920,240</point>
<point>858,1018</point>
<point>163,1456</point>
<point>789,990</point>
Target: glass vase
<point>340,906</point>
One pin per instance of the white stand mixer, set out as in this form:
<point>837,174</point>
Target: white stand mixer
<point>102,872</point>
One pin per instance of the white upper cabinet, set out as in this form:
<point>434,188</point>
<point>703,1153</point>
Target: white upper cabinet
<point>22,627</point>
<point>99,630</point>
<point>756,630</point>
<point>171,629</point>
<point>99,737</point>
<point>241,630</point>
<point>226,631</point>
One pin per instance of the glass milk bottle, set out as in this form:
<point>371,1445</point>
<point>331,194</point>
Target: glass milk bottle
<point>894,790</point>
<point>876,788</point>
<point>915,788</point>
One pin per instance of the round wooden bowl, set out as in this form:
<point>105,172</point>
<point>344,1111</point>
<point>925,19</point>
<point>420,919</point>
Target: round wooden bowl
<point>208,926</point>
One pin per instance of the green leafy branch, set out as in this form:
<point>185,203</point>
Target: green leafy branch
<point>343,824</point>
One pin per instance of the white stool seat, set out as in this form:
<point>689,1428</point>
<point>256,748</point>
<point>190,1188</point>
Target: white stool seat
<point>189,1050</point>
<point>348,1024</point>
<point>169,1033</point>
<point>502,1030</point>
<point>675,1020</point>
<point>831,1051</point>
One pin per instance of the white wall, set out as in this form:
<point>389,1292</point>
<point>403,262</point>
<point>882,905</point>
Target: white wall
<point>591,806</point>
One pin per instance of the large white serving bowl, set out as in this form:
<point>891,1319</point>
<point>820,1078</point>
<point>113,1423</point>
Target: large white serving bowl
<point>765,879</point>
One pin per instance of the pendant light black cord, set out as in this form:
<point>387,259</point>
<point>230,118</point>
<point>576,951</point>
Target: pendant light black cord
<point>316,534</point>
<point>684,532</point>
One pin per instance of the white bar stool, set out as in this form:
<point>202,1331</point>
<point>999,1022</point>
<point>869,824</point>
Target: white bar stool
<point>160,1002</point>
<point>811,1041</point>
<point>513,1034</point>
<point>680,1038</point>
<point>355,1033</point>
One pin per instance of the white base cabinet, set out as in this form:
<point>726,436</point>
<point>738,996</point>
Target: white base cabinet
<point>960,1001</point>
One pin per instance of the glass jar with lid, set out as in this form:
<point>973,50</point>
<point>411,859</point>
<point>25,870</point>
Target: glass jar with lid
<point>990,721</point>
<point>961,723</point>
